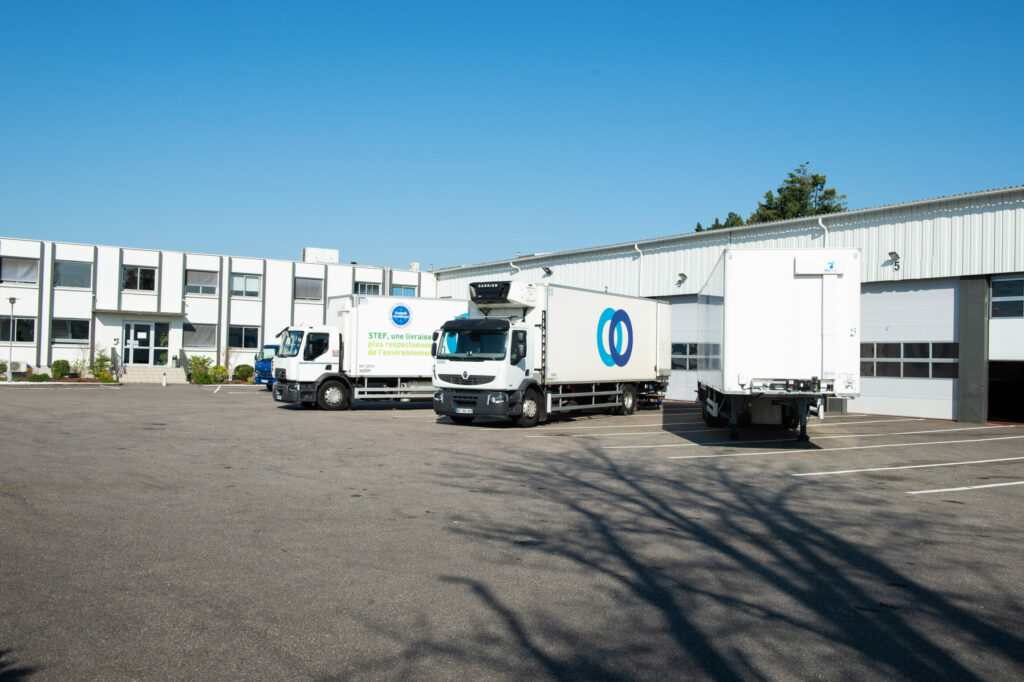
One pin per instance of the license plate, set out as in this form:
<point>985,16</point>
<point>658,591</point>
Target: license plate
<point>463,410</point>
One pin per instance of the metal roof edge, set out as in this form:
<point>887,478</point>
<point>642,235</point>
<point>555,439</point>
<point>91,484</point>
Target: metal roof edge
<point>730,230</point>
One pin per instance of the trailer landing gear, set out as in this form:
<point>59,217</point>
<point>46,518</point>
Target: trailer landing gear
<point>802,408</point>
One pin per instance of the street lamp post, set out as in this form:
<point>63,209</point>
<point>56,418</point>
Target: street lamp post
<point>10,348</point>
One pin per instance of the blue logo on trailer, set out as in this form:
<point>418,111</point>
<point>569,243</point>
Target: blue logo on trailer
<point>609,344</point>
<point>400,315</point>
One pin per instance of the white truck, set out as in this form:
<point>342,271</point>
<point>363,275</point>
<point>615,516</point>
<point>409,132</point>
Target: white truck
<point>526,351</point>
<point>778,332</point>
<point>373,347</point>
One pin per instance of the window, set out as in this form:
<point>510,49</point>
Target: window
<point>199,335</point>
<point>19,270</point>
<point>307,289</point>
<point>243,337</point>
<point>916,360</point>
<point>245,285</point>
<point>686,357</point>
<point>316,345</point>
<point>69,273</point>
<point>135,278</point>
<point>24,329</point>
<point>200,282</point>
<point>1008,298</point>
<point>370,288</point>
<point>69,331</point>
<point>398,290</point>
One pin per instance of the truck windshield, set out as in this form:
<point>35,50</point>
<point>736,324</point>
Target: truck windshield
<point>266,354</point>
<point>472,345</point>
<point>291,341</point>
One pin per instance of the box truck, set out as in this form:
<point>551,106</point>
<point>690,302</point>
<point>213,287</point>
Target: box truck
<point>373,347</point>
<point>526,351</point>
<point>778,332</point>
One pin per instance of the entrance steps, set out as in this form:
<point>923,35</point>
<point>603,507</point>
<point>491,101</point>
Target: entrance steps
<point>143,374</point>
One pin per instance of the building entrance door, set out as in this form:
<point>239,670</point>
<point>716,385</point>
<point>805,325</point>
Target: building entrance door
<point>138,343</point>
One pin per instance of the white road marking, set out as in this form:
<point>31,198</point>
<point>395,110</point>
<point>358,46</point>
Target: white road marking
<point>614,426</point>
<point>908,466</point>
<point>853,447</point>
<point>772,440</point>
<point>966,487</point>
<point>872,421</point>
<point>218,389</point>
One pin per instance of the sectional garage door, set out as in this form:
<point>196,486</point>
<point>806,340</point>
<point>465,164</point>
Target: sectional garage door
<point>910,350</point>
<point>683,384</point>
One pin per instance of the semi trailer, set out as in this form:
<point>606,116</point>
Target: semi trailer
<point>528,351</point>
<point>778,334</point>
<point>373,348</point>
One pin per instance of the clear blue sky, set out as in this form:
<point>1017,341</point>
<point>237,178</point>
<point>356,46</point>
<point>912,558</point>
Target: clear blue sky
<point>453,133</point>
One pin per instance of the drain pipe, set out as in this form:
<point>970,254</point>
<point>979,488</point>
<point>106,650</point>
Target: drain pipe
<point>640,269</point>
<point>518,269</point>
<point>821,224</point>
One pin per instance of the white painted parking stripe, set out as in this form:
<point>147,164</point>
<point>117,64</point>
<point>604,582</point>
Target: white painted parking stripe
<point>853,447</point>
<point>218,389</point>
<point>772,440</point>
<point>613,426</point>
<point>908,466</point>
<point>871,421</point>
<point>966,487</point>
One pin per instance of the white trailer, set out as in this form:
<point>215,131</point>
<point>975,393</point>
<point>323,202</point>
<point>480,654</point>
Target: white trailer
<point>529,350</point>
<point>373,347</point>
<point>778,332</point>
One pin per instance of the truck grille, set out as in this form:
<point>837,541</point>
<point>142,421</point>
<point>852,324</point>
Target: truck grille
<point>471,380</point>
<point>464,399</point>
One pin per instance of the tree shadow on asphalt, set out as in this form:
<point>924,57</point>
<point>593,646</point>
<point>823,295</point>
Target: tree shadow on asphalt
<point>10,672</point>
<point>695,574</point>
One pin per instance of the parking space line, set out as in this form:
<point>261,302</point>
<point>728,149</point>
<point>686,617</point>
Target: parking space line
<point>845,435</point>
<point>872,421</point>
<point>908,466</point>
<point>613,426</point>
<point>852,447</point>
<point>966,487</point>
<point>788,437</point>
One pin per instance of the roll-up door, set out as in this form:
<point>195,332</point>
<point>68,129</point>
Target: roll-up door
<point>683,383</point>
<point>909,349</point>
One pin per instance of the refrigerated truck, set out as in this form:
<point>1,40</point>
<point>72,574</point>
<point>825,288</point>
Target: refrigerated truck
<point>373,348</point>
<point>778,333</point>
<point>527,351</point>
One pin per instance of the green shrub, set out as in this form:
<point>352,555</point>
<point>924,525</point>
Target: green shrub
<point>101,363</point>
<point>60,369</point>
<point>105,377</point>
<point>218,374</point>
<point>243,372</point>
<point>3,368</point>
<point>199,369</point>
<point>42,376</point>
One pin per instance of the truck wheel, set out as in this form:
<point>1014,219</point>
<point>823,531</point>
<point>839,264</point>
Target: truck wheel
<point>333,395</point>
<point>460,419</point>
<point>531,409</point>
<point>628,405</point>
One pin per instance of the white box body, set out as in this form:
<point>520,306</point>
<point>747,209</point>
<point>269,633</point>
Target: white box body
<point>781,314</point>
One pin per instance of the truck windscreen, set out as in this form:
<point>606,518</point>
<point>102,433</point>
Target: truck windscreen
<point>291,341</point>
<point>265,354</point>
<point>472,345</point>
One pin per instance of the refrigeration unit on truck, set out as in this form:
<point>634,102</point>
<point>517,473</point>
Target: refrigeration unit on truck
<point>527,351</point>
<point>372,347</point>
<point>778,333</point>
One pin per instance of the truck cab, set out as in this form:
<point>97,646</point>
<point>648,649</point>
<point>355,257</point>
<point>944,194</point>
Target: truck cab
<point>307,369</point>
<point>264,365</point>
<point>495,357</point>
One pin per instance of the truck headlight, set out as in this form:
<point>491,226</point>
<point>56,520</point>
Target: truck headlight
<point>496,398</point>
<point>438,395</point>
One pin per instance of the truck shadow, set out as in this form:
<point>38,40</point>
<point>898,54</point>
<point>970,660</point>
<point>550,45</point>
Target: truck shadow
<point>685,421</point>
<point>616,569</point>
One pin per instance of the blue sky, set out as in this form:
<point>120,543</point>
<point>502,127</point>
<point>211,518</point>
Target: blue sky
<point>464,132</point>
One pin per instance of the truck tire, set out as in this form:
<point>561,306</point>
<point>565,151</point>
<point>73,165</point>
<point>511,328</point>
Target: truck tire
<point>628,405</point>
<point>531,409</point>
<point>460,419</point>
<point>332,395</point>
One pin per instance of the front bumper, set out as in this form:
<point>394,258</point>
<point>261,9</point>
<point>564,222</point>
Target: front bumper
<point>463,403</point>
<point>263,379</point>
<point>294,392</point>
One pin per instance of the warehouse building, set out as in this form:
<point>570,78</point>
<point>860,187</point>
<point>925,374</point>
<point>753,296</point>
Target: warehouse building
<point>150,310</point>
<point>942,298</point>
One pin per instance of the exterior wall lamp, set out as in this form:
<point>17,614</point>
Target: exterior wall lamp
<point>895,258</point>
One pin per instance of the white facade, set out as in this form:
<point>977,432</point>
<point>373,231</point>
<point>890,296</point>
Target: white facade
<point>147,307</point>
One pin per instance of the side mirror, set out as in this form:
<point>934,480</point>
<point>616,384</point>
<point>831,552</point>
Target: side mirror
<point>433,346</point>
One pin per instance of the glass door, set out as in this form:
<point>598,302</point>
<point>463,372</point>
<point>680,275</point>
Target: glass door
<point>138,343</point>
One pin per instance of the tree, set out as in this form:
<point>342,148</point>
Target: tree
<point>800,194</point>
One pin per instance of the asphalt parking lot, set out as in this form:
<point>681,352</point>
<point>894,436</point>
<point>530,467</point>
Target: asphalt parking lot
<point>208,532</point>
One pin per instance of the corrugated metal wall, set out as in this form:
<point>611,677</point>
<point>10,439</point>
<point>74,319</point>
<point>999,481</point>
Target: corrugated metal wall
<point>968,235</point>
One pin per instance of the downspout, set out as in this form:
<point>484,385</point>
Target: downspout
<point>640,269</point>
<point>518,269</point>
<point>821,224</point>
